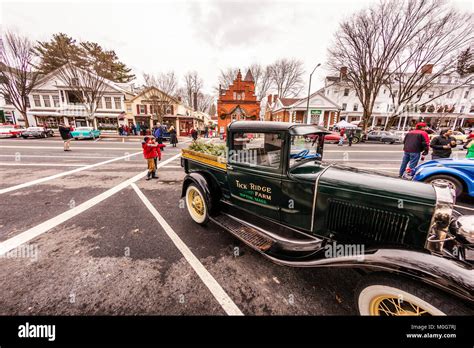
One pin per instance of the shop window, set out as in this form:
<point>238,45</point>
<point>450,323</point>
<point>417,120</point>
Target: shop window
<point>51,122</point>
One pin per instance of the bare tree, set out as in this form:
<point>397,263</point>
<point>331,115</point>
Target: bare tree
<point>87,87</point>
<point>262,76</point>
<point>441,33</point>
<point>17,74</point>
<point>204,102</point>
<point>226,78</point>
<point>161,91</point>
<point>287,77</point>
<point>193,84</point>
<point>166,82</point>
<point>377,46</point>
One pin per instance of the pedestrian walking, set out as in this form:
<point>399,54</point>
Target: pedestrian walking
<point>138,129</point>
<point>194,134</point>
<point>341,139</point>
<point>134,129</point>
<point>158,133</point>
<point>469,145</point>
<point>350,136</point>
<point>65,132</point>
<point>415,144</point>
<point>173,136</point>
<point>442,144</point>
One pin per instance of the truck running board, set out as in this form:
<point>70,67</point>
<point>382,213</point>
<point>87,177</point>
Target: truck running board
<point>247,234</point>
<point>262,240</point>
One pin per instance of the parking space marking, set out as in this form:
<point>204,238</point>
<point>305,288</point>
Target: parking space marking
<point>55,176</point>
<point>42,164</point>
<point>36,231</point>
<point>214,287</point>
<point>73,147</point>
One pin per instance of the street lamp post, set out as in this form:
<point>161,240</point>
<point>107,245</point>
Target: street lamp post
<point>309,93</point>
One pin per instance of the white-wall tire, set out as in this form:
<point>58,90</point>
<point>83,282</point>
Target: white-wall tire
<point>196,204</point>
<point>383,294</point>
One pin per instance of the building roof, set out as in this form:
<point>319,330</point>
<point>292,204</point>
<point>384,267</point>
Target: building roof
<point>249,76</point>
<point>289,101</point>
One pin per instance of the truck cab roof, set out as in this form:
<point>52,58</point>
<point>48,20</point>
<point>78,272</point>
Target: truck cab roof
<point>266,126</point>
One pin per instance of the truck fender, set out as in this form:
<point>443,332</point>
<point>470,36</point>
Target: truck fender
<point>448,275</point>
<point>206,187</point>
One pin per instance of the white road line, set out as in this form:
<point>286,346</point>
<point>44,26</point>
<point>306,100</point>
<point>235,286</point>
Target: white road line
<point>172,166</point>
<point>55,176</point>
<point>214,287</point>
<point>36,231</point>
<point>73,148</point>
<point>42,164</point>
<point>49,156</point>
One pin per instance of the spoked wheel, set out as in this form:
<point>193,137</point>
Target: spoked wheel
<point>196,205</point>
<point>383,295</point>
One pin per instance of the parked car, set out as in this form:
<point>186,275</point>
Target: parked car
<point>460,137</point>
<point>384,137</point>
<point>11,131</point>
<point>37,132</point>
<point>278,196</point>
<point>85,133</point>
<point>331,137</point>
<point>457,174</point>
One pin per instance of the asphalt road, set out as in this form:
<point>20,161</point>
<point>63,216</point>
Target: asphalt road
<point>94,245</point>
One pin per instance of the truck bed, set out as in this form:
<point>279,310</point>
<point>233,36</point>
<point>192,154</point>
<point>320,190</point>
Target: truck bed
<point>204,158</point>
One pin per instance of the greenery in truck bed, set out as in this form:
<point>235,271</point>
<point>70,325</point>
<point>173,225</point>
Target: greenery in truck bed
<point>218,150</point>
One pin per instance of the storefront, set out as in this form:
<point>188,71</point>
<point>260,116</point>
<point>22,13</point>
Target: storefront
<point>185,126</point>
<point>107,123</point>
<point>48,121</point>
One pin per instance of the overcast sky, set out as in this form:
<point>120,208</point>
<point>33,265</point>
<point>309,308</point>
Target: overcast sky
<point>206,36</point>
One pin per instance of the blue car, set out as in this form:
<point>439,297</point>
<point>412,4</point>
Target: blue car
<point>457,174</point>
<point>85,133</point>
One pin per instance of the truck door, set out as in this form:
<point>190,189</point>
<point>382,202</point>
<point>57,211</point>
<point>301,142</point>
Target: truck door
<point>254,172</point>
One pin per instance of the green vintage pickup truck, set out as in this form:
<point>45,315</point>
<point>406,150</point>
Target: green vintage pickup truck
<point>273,191</point>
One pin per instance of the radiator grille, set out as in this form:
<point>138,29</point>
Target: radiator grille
<point>362,222</point>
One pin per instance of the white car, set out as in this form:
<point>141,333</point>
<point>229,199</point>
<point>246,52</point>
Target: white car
<point>10,131</point>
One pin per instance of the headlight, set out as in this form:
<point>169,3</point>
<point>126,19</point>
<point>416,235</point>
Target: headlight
<point>464,227</point>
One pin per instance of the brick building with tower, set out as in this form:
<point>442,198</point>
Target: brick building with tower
<point>238,102</point>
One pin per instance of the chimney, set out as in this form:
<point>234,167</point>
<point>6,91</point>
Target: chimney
<point>275,98</point>
<point>427,69</point>
<point>180,99</point>
<point>269,99</point>
<point>343,72</point>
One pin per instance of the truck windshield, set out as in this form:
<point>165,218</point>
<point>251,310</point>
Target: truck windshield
<point>304,148</point>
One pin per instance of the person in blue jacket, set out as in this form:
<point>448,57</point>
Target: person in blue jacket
<point>158,133</point>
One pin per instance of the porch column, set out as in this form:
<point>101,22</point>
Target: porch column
<point>94,121</point>
<point>455,121</point>
<point>462,122</point>
<point>405,122</point>
<point>399,122</point>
